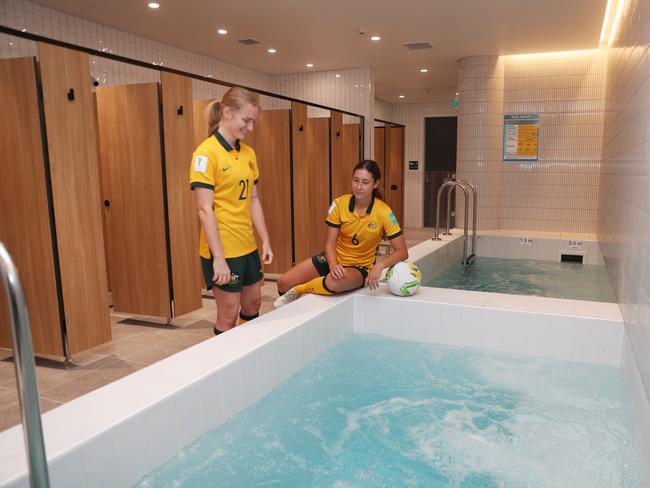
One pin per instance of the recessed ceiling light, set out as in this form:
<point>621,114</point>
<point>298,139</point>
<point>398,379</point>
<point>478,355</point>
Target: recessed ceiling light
<point>222,32</point>
<point>272,51</point>
<point>424,70</point>
<point>310,65</point>
<point>402,96</point>
<point>375,38</point>
<point>338,75</point>
<point>153,5</point>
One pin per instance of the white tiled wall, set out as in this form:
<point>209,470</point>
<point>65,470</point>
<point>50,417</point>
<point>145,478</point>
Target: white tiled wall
<point>624,203</point>
<point>21,14</point>
<point>480,122</point>
<point>559,192</point>
<point>412,115</point>
<point>352,90</point>
<point>383,110</point>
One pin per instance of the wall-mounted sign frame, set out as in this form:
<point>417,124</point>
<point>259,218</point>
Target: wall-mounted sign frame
<point>520,137</point>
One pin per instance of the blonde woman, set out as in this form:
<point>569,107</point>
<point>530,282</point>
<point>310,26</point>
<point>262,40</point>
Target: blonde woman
<point>224,178</point>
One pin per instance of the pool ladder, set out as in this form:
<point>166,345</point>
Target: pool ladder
<point>25,371</point>
<point>464,185</point>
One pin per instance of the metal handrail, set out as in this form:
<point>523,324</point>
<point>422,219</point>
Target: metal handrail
<point>25,372</point>
<point>452,184</point>
<point>474,212</point>
<point>448,184</point>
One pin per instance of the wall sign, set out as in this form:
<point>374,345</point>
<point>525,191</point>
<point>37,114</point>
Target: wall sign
<point>520,137</point>
<point>525,242</point>
<point>413,165</point>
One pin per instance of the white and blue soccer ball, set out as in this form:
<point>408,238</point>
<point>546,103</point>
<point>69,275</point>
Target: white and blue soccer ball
<point>403,279</point>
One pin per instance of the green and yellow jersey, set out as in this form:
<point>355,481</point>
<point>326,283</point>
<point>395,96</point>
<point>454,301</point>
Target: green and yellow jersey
<point>230,173</point>
<point>359,236</point>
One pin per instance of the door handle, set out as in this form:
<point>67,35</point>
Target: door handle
<point>393,187</point>
<point>107,203</point>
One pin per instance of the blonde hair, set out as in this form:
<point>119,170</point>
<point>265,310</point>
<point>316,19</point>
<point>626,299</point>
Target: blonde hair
<point>235,98</point>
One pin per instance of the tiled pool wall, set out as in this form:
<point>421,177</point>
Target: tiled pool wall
<point>537,247</point>
<point>116,434</point>
<point>433,257</point>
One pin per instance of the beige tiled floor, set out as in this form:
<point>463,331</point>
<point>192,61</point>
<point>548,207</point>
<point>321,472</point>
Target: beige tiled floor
<point>137,342</point>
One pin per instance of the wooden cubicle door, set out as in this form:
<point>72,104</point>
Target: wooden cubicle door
<point>272,144</point>
<point>72,146</point>
<point>24,208</point>
<point>345,153</point>
<point>200,122</point>
<point>350,156</point>
<point>178,129</point>
<point>336,155</point>
<point>380,155</point>
<point>395,171</point>
<point>311,177</point>
<point>132,179</point>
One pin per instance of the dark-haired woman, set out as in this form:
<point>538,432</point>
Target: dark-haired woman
<point>224,178</point>
<point>357,222</point>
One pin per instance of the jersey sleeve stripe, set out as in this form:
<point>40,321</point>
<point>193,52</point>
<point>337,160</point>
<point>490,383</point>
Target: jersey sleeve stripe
<point>332,224</point>
<point>397,234</point>
<point>200,184</point>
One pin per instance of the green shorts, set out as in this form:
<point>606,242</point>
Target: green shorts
<point>244,271</point>
<point>320,263</point>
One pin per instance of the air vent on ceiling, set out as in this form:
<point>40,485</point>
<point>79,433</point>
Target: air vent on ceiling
<point>249,42</point>
<point>418,45</point>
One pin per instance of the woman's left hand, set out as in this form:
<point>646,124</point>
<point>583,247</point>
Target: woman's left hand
<point>372,281</point>
<point>267,253</point>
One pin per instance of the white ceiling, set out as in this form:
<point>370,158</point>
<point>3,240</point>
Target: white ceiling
<point>325,32</point>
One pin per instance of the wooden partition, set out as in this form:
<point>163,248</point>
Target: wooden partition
<point>380,155</point>
<point>72,144</point>
<point>345,153</point>
<point>394,195</point>
<point>272,144</point>
<point>200,121</point>
<point>132,179</point>
<point>178,123</point>
<point>336,155</point>
<point>24,206</point>
<point>311,177</point>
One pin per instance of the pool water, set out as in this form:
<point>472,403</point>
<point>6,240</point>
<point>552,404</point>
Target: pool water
<point>376,412</point>
<point>529,277</point>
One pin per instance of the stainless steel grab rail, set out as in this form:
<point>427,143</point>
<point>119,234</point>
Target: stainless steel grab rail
<point>454,184</point>
<point>25,371</point>
<point>464,185</point>
<point>474,212</point>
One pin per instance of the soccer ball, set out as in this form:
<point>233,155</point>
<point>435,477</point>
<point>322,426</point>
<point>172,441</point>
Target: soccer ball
<point>403,279</point>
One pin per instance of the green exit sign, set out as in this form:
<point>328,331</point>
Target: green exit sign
<point>455,103</point>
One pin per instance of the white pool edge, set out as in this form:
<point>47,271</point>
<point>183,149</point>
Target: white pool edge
<point>129,427</point>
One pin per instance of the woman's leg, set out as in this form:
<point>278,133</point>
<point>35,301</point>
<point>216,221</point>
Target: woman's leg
<point>324,285</point>
<point>300,273</point>
<point>251,300</point>
<point>227,308</point>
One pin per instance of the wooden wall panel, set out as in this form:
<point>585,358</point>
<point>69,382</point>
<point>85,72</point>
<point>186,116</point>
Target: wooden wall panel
<point>380,155</point>
<point>339,183</point>
<point>310,181</point>
<point>395,172</point>
<point>200,121</point>
<point>24,217</point>
<point>183,223</point>
<point>130,154</point>
<point>350,156</point>
<point>271,142</point>
<point>72,143</point>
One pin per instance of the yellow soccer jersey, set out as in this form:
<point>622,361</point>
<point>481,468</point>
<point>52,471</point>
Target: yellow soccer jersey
<point>231,174</point>
<point>359,237</point>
